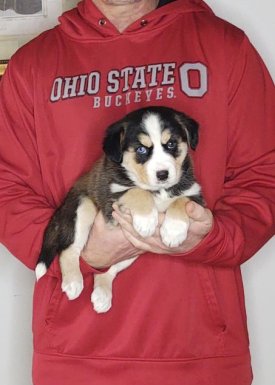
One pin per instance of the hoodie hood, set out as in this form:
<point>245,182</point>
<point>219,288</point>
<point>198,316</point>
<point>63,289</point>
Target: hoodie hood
<point>86,22</point>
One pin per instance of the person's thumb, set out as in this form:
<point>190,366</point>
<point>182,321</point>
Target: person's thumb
<point>198,213</point>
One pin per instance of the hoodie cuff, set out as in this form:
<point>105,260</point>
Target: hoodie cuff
<point>88,269</point>
<point>212,248</point>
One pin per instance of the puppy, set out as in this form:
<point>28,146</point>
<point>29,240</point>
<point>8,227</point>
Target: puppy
<point>146,169</point>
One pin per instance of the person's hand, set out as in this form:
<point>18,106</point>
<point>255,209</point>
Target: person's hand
<point>107,245</point>
<point>201,222</point>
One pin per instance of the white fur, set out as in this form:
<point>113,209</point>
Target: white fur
<point>72,284</point>
<point>160,159</point>
<point>173,231</point>
<point>72,280</point>
<point>145,225</point>
<point>163,200</point>
<point>102,293</point>
<point>85,215</point>
<point>115,188</point>
<point>195,189</point>
<point>40,270</point>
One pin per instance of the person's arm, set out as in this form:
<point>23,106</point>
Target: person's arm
<point>243,217</point>
<point>24,208</point>
<point>244,214</point>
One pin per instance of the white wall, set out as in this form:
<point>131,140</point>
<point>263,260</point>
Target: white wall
<point>10,40</point>
<point>256,17</point>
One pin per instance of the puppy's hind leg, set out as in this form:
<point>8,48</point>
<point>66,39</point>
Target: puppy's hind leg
<point>72,280</point>
<point>102,293</point>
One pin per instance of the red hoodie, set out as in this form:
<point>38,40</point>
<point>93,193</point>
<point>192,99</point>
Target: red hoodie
<point>175,320</point>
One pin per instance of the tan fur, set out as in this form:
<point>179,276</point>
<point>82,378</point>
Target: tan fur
<point>177,209</point>
<point>138,201</point>
<point>145,140</point>
<point>132,166</point>
<point>182,154</point>
<point>165,136</point>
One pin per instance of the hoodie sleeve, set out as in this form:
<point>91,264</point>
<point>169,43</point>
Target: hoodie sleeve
<point>24,208</point>
<point>244,214</point>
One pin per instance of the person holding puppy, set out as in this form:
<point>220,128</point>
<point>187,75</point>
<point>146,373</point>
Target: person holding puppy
<point>179,317</point>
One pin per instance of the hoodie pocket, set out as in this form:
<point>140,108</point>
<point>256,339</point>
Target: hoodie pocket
<point>209,286</point>
<point>47,295</point>
<point>161,310</point>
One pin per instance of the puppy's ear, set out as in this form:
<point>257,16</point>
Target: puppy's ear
<point>112,144</point>
<point>191,128</point>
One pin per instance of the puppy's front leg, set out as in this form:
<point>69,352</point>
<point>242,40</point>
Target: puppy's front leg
<point>143,210</point>
<point>174,228</point>
<point>102,293</point>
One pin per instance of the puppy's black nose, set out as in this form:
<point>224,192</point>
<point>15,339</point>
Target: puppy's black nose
<point>162,175</point>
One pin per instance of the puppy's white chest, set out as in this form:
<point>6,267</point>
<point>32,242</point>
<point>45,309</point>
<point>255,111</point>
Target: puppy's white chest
<point>163,200</point>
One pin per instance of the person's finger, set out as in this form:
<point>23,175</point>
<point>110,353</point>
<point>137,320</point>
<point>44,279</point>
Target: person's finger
<point>122,215</point>
<point>121,209</point>
<point>198,213</point>
<point>125,223</point>
<point>136,242</point>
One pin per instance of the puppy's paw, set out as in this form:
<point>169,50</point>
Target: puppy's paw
<point>72,286</point>
<point>145,225</point>
<point>102,299</point>
<point>173,232</point>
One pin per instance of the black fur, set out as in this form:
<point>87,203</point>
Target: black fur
<point>112,142</point>
<point>59,233</point>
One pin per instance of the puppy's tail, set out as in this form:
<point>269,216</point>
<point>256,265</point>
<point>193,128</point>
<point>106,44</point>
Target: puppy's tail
<point>53,243</point>
<point>47,254</point>
<point>59,233</point>
<point>44,261</point>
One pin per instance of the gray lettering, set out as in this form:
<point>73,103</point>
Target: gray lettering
<point>93,83</point>
<point>56,90</point>
<point>185,82</point>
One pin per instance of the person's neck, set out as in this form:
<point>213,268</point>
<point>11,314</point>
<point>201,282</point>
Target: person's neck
<point>122,13</point>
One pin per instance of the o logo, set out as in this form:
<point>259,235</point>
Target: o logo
<point>201,69</point>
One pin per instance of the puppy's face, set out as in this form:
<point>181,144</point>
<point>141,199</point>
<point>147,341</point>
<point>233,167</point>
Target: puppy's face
<point>151,144</point>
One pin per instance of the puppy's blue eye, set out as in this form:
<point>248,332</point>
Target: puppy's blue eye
<point>141,150</point>
<point>171,145</point>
